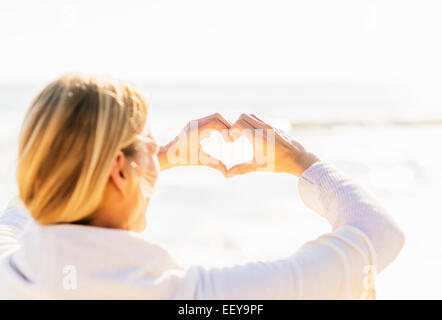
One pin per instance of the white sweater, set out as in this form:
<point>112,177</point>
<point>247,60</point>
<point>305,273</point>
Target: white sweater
<point>73,261</point>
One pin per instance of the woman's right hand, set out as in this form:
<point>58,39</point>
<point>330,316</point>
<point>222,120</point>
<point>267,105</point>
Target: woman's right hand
<point>281,154</point>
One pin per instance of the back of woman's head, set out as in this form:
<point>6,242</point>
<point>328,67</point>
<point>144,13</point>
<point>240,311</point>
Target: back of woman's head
<point>69,139</point>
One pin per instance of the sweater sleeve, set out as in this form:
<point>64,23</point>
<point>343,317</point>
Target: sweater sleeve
<point>337,265</point>
<point>13,220</point>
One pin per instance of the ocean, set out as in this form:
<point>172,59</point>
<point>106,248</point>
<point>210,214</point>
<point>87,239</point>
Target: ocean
<point>382,138</point>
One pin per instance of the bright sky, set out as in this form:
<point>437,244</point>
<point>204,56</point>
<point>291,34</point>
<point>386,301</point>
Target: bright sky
<point>228,41</point>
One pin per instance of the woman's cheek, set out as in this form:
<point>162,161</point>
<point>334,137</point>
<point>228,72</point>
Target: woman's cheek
<point>157,167</point>
<point>152,169</point>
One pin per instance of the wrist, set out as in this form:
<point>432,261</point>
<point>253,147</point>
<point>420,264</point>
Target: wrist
<point>303,162</point>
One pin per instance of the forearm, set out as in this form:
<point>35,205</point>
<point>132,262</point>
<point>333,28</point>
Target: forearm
<point>344,203</point>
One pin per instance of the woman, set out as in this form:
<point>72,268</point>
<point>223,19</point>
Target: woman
<point>87,166</point>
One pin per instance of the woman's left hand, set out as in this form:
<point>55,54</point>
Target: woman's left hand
<point>186,149</point>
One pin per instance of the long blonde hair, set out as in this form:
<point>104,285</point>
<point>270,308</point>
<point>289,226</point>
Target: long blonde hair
<point>68,142</point>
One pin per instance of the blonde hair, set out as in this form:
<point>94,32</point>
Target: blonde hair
<point>68,142</point>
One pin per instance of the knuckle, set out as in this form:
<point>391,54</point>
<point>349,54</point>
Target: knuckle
<point>217,123</point>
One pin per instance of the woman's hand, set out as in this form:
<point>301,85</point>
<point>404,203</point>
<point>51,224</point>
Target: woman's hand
<point>186,149</point>
<point>273,149</point>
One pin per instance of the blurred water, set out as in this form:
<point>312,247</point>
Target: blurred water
<point>203,218</point>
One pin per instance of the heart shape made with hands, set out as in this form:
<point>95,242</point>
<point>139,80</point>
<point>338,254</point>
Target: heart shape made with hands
<point>229,153</point>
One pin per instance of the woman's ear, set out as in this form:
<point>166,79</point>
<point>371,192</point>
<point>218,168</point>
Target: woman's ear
<point>119,175</point>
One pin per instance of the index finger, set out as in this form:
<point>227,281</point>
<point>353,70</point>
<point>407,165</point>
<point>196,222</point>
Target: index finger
<point>256,123</point>
<point>216,116</point>
<point>205,127</point>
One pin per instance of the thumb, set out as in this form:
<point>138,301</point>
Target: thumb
<point>241,169</point>
<point>209,161</point>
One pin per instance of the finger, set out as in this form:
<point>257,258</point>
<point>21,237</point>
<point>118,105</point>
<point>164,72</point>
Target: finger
<point>209,161</point>
<point>283,135</point>
<point>262,131</point>
<point>205,128</point>
<point>258,119</point>
<point>275,130</point>
<point>241,128</point>
<point>258,124</point>
<point>226,122</point>
<point>242,168</point>
<point>218,117</point>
